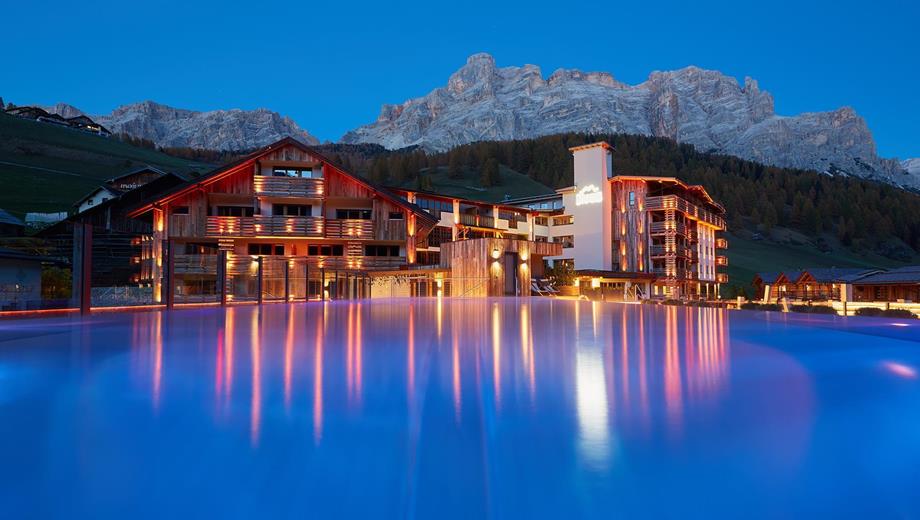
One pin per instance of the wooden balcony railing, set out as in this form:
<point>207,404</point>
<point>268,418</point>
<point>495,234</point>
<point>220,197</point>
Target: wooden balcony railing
<point>273,266</point>
<point>659,250</point>
<point>288,186</point>
<point>349,228</point>
<point>721,243</point>
<point>482,221</point>
<point>668,226</point>
<point>261,225</point>
<point>721,260</point>
<point>683,205</point>
<point>195,264</point>
<point>721,278</point>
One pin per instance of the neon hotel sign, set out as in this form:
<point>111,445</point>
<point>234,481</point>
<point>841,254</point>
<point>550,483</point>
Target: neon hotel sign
<point>590,194</point>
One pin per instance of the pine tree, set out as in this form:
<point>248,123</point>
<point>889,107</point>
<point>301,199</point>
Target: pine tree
<point>488,174</point>
<point>454,168</point>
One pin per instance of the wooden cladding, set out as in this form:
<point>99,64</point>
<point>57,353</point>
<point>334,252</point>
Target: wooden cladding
<point>260,225</point>
<point>681,204</point>
<point>288,186</point>
<point>349,228</point>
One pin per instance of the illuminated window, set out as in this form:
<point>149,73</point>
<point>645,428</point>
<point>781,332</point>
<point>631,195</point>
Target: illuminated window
<point>632,198</point>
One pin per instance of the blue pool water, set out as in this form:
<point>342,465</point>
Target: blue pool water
<point>459,408</point>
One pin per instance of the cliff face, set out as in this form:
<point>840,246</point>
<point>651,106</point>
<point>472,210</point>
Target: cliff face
<point>213,130</point>
<point>704,108</point>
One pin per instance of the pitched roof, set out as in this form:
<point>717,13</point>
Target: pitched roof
<point>142,169</point>
<point>7,218</point>
<point>904,275</point>
<point>836,274</point>
<point>287,141</point>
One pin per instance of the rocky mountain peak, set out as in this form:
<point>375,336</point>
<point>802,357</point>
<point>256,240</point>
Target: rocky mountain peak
<point>693,105</point>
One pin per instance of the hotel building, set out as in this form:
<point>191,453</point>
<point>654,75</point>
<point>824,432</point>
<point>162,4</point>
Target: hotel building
<point>285,223</point>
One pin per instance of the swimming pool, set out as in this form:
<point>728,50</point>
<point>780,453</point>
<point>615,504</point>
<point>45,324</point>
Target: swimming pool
<point>467,408</point>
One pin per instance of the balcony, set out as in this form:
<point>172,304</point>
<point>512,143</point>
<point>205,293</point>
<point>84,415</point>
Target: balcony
<point>349,228</point>
<point>721,278</point>
<point>668,226</point>
<point>721,260</point>
<point>660,250</point>
<point>195,264</point>
<point>673,202</point>
<point>261,225</point>
<point>288,186</point>
<point>721,243</point>
<point>482,221</point>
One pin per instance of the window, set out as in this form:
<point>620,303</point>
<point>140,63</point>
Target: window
<point>266,249</point>
<point>541,221</point>
<point>196,248</point>
<point>567,241</point>
<point>306,173</point>
<point>378,250</point>
<point>234,211</point>
<point>396,215</point>
<point>439,235</point>
<point>357,214</point>
<point>563,220</point>
<point>435,206</point>
<point>632,198</point>
<point>539,238</point>
<point>326,250</point>
<point>180,210</point>
<point>292,210</point>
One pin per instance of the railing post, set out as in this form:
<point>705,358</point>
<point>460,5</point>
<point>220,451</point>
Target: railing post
<point>287,281</point>
<point>306,280</point>
<point>322,284</point>
<point>259,280</point>
<point>170,273</point>
<point>83,265</point>
<point>222,277</point>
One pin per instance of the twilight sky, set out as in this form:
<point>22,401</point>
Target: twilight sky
<point>330,65</point>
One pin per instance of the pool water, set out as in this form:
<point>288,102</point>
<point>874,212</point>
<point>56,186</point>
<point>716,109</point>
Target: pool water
<point>459,408</point>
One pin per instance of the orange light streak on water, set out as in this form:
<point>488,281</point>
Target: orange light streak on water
<point>255,419</point>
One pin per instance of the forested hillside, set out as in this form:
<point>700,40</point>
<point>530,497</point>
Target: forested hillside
<point>860,214</point>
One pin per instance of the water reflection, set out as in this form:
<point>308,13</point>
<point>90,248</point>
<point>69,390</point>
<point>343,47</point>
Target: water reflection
<point>629,371</point>
<point>255,418</point>
<point>591,395</point>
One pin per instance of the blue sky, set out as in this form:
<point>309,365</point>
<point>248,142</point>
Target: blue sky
<point>331,65</point>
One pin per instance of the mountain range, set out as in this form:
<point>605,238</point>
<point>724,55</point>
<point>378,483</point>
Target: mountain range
<point>212,130</point>
<point>705,108</point>
<point>481,101</point>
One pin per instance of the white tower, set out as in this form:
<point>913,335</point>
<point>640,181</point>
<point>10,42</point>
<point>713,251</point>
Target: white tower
<point>592,208</point>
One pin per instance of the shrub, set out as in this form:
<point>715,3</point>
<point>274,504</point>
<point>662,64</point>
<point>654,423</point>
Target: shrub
<point>899,313</point>
<point>869,311</point>
<point>672,302</point>
<point>814,309</point>
<point>750,306</point>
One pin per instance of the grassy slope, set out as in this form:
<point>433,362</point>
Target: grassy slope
<point>747,257</point>
<point>513,184</point>
<point>44,167</point>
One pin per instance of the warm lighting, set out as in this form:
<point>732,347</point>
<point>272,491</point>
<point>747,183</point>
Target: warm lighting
<point>495,253</point>
<point>595,283</point>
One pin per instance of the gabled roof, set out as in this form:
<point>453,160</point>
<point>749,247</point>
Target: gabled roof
<point>7,218</point>
<point>229,169</point>
<point>835,274</point>
<point>142,169</point>
<point>902,275</point>
<point>115,193</point>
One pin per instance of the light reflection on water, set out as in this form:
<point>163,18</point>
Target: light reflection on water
<point>468,408</point>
